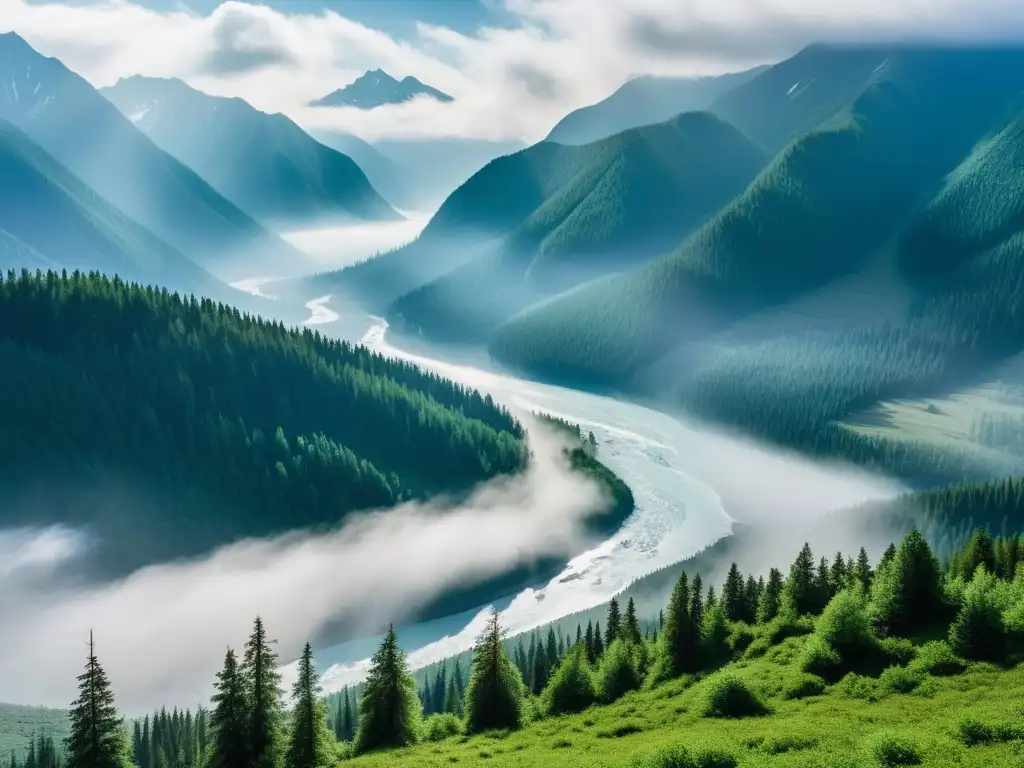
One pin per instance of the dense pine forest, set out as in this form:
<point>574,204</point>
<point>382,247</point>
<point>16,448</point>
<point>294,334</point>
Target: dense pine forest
<point>175,424</point>
<point>837,627</point>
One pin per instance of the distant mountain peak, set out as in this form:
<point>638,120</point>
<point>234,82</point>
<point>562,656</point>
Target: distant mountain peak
<point>375,88</point>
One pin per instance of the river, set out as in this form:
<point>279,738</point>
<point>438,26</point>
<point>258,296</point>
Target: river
<point>677,473</point>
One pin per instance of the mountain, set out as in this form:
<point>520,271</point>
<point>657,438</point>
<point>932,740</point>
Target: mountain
<point>49,219</point>
<point>376,88</point>
<point>265,164</point>
<point>644,101</point>
<point>169,426</point>
<point>917,172</point>
<point>384,174</point>
<point>603,207</point>
<point>83,131</point>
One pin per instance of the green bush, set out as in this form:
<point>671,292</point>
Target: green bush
<point>742,637</point>
<point>891,750</point>
<point>803,686</point>
<point>972,730</point>
<point>778,744</point>
<point>900,679</point>
<point>679,756</point>
<point>821,659</point>
<point>936,658</point>
<point>728,696</point>
<point>978,632</point>
<point>572,688</point>
<point>854,686</point>
<point>618,674</point>
<point>785,626</point>
<point>897,650</point>
<point>845,626</point>
<point>441,726</point>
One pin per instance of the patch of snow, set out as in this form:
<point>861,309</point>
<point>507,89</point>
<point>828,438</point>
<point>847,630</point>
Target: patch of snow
<point>793,88</point>
<point>135,117</point>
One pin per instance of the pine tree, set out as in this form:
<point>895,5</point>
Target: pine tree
<point>588,638</point>
<point>907,593</point>
<point>452,699</point>
<point>579,634</point>
<point>494,694</point>
<point>230,717</point>
<point>561,648</point>
<point>136,743</point>
<point>539,674</point>
<point>863,572</point>
<point>613,624</point>
<point>822,586</point>
<point>837,575</point>
<point>390,711</point>
<point>678,655</point>
<point>711,599</point>
<point>661,619</point>
<point>98,738</point>
<point>598,643</point>
<point>348,723</point>
<point>799,594</point>
<point>552,652</point>
<point>144,759</point>
<point>262,680</point>
<point>751,594</point>
<point>631,625</point>
<point>733,594</point>
<point>980,550</point>
<point>715,636</point>
<point>440,689</point>
<point>312,745</point>
<point>887,557</point>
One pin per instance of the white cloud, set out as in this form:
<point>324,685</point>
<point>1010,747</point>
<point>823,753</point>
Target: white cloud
<point>509,83</point>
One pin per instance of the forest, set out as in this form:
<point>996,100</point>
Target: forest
<point>177,424</point>
<point>835,625</point>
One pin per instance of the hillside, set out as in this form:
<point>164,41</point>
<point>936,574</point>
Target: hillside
<point>207,425</point>
<point>621,201</point>
<point>383,173</point>
<point>83,131</point>
<point>265,164</point>
<point>19,725</point>
<point>843,190</point>
<point>644,101</point>
<point>51,220</point>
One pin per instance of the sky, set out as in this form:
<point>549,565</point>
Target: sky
<point>515,67</point>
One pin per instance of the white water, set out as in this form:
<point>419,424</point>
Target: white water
<point>673,471</point>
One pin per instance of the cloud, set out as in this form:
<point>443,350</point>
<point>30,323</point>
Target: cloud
<point>161,632</point>
<point>512,82</point>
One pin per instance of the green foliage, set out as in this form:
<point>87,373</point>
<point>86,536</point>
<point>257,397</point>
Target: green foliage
<point>494,694</point>
<point>978,632</point>
<point>229,719</point>
<point>265,735</point>
<point>728,696</point>
<point>846,627</point>
<point>215,425</point>
<point>572,689</point>
<point>974,730</point>
<point>900,679</point>
<point>681,756</point>
<point>890,750</point>
<point>822,660</point>
<point>311,744</point>
<point>907,593</point>
<point>97,738</point>
<point>21,725</point>
<point>936,658</point>
<point>441,726</point>
<point>803,686</point>
<point>390,710</point>
<point>617,674</point>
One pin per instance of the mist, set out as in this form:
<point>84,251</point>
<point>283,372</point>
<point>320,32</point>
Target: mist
<point>161,633</point>
<point>334,247</point>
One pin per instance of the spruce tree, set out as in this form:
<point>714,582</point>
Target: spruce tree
<point>390,711</point>
<point>230,717</point>
<point>452,700</point>
<point>588,638</point>
<point>980,550</point>
<point>631,625</point>
<point>144,761</point>
<point>613,624</point>
<point>822,586</point>
<point>799,594</point>
<point>907,593</point>
<point>751,593</point>
<point>598,643</point>
<point>863,572</point>
<point>311,744</point>
<point>262,680</point>
<point>494,695</point>
<point>440,689</point>
<point>696,613</point>
<point>837,575</point>
<point>98,738</point>
<point>552,652</point>
<point>539,674</point>
<point>733,594</point>
<point>579,634</point>
<point>348,723</point>
<point>678,654</point>
<point>887,556</point>
<point>715,636</point>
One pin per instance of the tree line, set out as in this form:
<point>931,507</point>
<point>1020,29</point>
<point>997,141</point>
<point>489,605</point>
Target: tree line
<point>858,612</point>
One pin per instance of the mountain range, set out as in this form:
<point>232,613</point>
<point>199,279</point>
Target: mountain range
<point>376,88</point>
<point>265,164</point>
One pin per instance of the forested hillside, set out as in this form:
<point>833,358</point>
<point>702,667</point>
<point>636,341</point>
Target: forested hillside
<point>83,131</point>
<point>50,219</point>
<point>265,164</point>
<point>174,424</point>
<point>597,208</point>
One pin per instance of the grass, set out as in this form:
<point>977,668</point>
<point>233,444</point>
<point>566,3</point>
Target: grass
<point>971,720</point>
<point>19,723</point>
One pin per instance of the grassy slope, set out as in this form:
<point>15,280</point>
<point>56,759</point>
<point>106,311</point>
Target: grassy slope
<point>18,724</point>
<point>644,101</point>
<point>626,199</point>
<point>85,132</point>
<point>57,217</point>
<point>834,729</point>
<point>263,163</point>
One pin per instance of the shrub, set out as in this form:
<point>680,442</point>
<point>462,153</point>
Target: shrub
<point>572,688</point>
<point>625,729</point>
<point>728,696</point>
<point>844,626</point>
<point>821,659</point>
<point>892,750</point>
<point>972,730</point>
<point>897,650</point>
<point>679,756</point>
<point>441,726</point>
<point>741,637</point>
<point>854,686</point>
<point>785,626</point>
<point>936,658</point>
<point>900,679</point>
<point>803,686</point>
<point>779,744</point>
<point>618,674</point>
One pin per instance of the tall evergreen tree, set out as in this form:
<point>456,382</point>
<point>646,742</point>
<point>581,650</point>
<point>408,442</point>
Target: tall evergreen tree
<point>837,574</point>
<point>390,711</point>
<point>751,594</point>
<point>733,594</point>
<point>494,694</point>
<point>552,652</point>
<point>678,654</point>
<point>598,642</point>
<point>98,738</point>
<point>539,674</point>
<point>771,598</point>
<point>799,594</point>
<point>588,638</point>
<point>863,572</point>
<point>614,623</point>
<point>144,759</point>
<point>311,744</point>
<point>259,670</point>
<point>907,593</point>
<point>631,625</point>
<point>348,723</point>
<point>579,634</point>
<point>440,689</point>
<point>230,717</point>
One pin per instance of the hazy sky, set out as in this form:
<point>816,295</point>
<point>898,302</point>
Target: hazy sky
<point>514,66</point>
